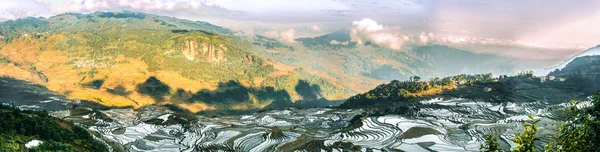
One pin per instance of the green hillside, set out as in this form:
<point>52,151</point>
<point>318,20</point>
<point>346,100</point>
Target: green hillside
<point>20,127</point>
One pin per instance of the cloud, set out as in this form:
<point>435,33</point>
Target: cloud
<point>423,38</point>
<point>468,40</point>
<point>272,34</point>
<point>181,8</point>
<point>334,42</point>
<point>21,12</point>
<point>288,36</point>
<point>367,30</point>
<point>315,28</point>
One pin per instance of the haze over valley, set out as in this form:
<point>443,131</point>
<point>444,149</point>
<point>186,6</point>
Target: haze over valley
<point>187,75</point>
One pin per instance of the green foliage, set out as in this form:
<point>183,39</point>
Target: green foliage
<point>400,91</point>
<point>19,127</point>
<point>525,140</point>
<point>581,132</point>
<point>491,143</point>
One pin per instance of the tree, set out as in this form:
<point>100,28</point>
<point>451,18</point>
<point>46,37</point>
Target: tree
<point>416,78</point>
<point>404,93</point>
<point>582,130</point>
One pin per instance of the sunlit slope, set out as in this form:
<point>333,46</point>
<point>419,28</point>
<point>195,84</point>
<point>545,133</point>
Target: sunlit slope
<point>135,59</point>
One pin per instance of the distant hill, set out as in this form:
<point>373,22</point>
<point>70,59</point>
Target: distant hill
<point>445,61</point>
<point>337,39</point>
<point>363,67</point>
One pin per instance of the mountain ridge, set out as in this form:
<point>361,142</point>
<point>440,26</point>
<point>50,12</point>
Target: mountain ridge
<point>589,52</point>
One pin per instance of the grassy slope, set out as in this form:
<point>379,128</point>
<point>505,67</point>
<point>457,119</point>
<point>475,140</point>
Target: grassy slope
<point>107,58</point>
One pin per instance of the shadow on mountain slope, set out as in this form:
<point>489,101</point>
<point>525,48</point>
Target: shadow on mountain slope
<point>154,88</point>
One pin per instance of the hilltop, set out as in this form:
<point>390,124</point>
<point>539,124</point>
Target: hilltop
<point>404,97</point>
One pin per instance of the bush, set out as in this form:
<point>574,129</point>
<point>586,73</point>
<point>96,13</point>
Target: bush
<point>491,143</point>
<point>582,130</point>
<point>525,140</point>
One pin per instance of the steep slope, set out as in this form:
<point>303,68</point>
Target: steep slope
<point>584,65</point>
<point>582,72</point>
<point>136,59</point>
<point>589,52</point>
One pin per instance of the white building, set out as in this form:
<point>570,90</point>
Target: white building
<point>543,79</point>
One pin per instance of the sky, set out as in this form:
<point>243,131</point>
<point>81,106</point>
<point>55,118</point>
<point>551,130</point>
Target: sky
<point>547,31</point>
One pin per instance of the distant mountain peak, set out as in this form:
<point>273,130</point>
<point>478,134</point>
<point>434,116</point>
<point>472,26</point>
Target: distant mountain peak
<point>339,38</point>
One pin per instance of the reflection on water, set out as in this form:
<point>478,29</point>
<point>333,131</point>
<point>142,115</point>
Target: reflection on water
<point>439,125</point>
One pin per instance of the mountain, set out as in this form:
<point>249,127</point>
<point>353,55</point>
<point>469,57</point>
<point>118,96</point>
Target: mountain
<point>589,52</point>
<point>583,65</point>
<point>446,61</point>
<point>361,67</point>
<point>582,72</point>
<point>121,59</point>
<point>337,39</point>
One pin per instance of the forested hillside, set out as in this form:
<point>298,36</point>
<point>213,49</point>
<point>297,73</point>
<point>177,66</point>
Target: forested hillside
<point>583,72</point>
<point>20,127</point>
<point>401,96</point>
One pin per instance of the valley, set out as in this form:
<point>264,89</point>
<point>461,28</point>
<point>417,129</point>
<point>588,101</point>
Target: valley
<point>131,81</point>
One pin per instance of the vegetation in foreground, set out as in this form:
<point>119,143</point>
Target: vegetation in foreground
<point>18,127</point>
<point>581,132</point>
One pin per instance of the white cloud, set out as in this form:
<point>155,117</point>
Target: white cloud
<point>369,30</point>
<point>271,34</point>
<point>21,12</point>
<point>288,36</point>
<point>315,28</point>
<point>180,8</point>
<point>467,40</point>
<point>423,38</point>
<point>334,42</point>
